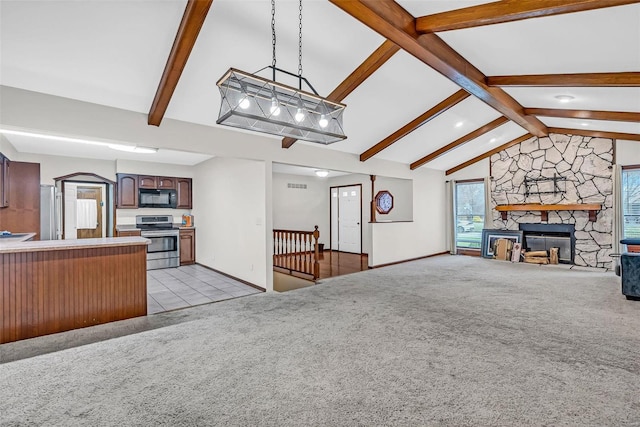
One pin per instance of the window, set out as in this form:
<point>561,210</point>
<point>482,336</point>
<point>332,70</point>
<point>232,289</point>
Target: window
<point>469,215</point>
<point>631,202</point>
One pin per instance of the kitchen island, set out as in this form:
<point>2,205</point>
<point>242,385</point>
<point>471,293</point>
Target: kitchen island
<point>51,286</point>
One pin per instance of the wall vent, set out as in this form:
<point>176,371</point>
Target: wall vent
<point>299,186</point>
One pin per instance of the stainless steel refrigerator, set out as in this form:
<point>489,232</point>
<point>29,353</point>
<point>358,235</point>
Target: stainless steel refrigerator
<point>50,213</point>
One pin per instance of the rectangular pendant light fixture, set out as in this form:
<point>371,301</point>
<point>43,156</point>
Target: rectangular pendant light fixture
<point>255,103</point>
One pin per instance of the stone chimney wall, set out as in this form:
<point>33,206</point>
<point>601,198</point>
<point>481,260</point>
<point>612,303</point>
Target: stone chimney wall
<point>584,166</point>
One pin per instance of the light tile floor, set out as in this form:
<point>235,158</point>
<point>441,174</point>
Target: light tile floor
<point>189,285</point>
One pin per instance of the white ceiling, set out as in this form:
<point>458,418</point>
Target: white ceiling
<point>113,53</point>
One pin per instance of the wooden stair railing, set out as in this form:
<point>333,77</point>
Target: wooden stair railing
<point>297,251</point>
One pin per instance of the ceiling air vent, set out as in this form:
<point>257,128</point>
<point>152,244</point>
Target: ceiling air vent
<point>298,186</point>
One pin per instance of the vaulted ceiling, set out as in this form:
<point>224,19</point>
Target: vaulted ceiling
<point>427,83</point>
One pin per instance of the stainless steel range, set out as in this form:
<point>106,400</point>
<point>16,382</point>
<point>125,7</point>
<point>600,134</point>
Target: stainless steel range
<point>164,250</point>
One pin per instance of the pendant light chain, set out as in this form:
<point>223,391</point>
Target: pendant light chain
<point>300,41</point>
<point>273,33</point>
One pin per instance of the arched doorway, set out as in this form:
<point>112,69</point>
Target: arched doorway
<point>86,205</point>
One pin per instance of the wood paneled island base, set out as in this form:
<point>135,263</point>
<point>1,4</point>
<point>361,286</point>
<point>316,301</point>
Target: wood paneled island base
<point>56,286</point>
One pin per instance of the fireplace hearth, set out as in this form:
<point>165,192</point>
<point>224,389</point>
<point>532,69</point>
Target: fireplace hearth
<point>542,237</point>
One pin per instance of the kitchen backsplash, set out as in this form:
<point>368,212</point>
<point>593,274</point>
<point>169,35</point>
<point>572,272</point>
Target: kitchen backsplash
<point>128,216</point>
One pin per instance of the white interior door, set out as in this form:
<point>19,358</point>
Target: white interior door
<point>349,217</point>
<point>334,218</point>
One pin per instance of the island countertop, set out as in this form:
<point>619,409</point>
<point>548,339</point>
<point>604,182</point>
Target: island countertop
<point>57,245</point>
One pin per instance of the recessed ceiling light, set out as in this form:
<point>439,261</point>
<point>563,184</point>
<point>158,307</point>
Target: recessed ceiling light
<point>584,124</point>
<point>322,173</point>
<point>564,98</point>
<point>459,124</point>
<point>493,139</point>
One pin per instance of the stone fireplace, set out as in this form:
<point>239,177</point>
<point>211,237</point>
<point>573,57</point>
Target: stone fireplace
<point>559,169</point>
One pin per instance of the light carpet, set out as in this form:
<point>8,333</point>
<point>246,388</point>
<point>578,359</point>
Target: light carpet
<point>449,340</point>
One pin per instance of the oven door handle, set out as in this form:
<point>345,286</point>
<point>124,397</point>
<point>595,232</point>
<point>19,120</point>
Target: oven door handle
<point>159,233</point>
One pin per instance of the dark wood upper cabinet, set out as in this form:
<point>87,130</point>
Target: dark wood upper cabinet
<point>129,184</point>
<point>4,181</point>
<point>167,182</point>
<point>184,193</point>
<point>127,191</point>
<point>145,181</point>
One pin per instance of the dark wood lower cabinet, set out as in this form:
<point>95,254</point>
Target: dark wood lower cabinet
<point>187,246</point>
<point>128,233</point>
<point>47,291</point>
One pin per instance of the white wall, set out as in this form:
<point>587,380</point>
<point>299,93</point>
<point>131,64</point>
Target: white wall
<point>55,166</point>
<point>154,169</point>
<point>627,152</point>
<point>231,229</point>
<point>301,209</point>
<point>402,192</point>
<point>7,148</point>
<point>475,171</point>
<point>397,241</point>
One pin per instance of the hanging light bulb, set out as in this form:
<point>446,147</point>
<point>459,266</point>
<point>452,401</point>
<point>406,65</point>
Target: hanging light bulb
<point>299,115</point>
<point>275,107</point>
<point>244,102</point>
<point>323,122</point>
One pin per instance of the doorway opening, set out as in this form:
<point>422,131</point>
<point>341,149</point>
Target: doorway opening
<point>346,218</point>
<point>88,208</point>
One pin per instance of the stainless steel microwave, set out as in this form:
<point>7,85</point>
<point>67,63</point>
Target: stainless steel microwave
<point>157,198</point>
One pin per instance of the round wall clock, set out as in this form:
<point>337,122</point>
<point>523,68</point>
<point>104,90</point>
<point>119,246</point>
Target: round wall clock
<point>384,202</point>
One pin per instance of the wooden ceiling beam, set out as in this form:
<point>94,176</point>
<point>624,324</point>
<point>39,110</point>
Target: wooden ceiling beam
<point>489,153</point>
<point>597,133</point>
<point>359,75</point>
<point>458,142</point>
<point>626,79</point>
<point>614,116</point>
<point>507,11</point>
<point>390,20</point>
<point>192,20</point>
<point>415,124</point>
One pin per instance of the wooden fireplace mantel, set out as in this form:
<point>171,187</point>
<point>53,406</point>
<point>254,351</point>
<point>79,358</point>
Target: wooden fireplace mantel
<point>593,209</point>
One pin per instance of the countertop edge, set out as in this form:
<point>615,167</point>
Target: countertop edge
<point>62,245</point>
<point>17,239</point>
